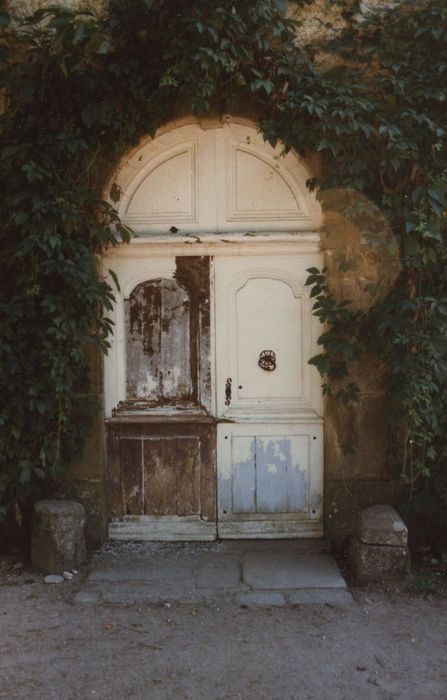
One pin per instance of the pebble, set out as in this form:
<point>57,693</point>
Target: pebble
<point>53,578</point>
<point>67,575</point>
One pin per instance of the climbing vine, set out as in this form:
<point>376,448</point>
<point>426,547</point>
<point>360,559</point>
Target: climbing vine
<point>79,89</point>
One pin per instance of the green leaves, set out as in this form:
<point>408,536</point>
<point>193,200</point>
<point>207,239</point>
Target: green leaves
<point>340,340</point>
<point>97,113</point>
<point>281,5</point>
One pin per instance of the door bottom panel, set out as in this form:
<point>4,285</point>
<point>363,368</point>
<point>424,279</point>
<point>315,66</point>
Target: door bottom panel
<point>162,529</point>
<point>270,480</point>
<point>265,529</point>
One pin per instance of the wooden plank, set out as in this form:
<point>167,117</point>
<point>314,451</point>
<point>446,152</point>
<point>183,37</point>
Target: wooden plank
<point>143,327</point>
<point>244,474</point>
<point>159,478</point>
<point>193,274</point>
<point>298,474</point>
<point>132,475</point>
<point>208,476</point>
<point>270,529</point>
<point>174,361</point>
<point>184,456</point>
<point>157,317</point>
<point>272,461</point>
<point>165,417</point>
<point>163,529</point>
<point>114,482</point>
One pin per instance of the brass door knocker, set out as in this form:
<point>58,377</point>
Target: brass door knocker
<point>267,360</point>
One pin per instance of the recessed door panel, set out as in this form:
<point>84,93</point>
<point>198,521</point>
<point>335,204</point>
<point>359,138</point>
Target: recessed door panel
<point>269,480</point>
<point>265,335</point>
<point>270,473</point>
<point>268,319</point>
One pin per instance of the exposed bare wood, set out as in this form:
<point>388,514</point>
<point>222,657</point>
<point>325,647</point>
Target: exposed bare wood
<point>115,490</point>
<point>160,486</point>
<point>186,454</point>
<point>131,475</point>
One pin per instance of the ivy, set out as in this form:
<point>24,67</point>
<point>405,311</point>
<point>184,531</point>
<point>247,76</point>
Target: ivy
<point>80,90</point>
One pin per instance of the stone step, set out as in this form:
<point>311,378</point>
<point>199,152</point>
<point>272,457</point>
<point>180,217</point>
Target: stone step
<point>238,573</point>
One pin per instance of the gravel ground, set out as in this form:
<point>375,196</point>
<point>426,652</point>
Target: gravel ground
<point>389,644</point>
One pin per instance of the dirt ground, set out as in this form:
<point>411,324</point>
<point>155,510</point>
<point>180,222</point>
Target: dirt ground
<point>389,644</point>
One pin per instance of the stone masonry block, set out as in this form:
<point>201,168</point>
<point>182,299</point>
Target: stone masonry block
<point>382,525</point>
<point>57,538</point>
<point>375,563</point>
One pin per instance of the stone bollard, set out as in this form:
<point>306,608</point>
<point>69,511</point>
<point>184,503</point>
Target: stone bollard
<point>378,550</point>
<point>57,537</point>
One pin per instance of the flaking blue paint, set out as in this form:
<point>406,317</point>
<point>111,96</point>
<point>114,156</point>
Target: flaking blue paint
<point>269,480</point>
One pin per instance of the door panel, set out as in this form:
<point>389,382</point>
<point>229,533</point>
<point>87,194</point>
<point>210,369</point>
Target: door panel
<point>262,304</point>
<point>264,308</point>
<point>172,476</point>
<point>162,479</point>
<point>269,480</point>
<point>270,473</point>
<point>158,324</point>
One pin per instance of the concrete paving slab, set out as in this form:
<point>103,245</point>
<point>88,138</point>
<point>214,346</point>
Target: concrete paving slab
<point>153,571</point>
<point>315,546</point>
<point>218,571</point>
<point>270,570</point>
<point>249,573</point>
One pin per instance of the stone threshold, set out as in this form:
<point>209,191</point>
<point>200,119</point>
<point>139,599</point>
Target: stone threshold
<point>240,572</point>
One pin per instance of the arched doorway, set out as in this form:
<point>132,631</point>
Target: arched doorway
<point>214,417</point>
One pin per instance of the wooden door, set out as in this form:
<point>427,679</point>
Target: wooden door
<point>269,438</point>
<point>161,436</point>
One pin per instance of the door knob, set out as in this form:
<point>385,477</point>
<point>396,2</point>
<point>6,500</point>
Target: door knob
<point>267,360</point>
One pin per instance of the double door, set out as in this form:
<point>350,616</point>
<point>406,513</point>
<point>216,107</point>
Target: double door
<point>217,425</point>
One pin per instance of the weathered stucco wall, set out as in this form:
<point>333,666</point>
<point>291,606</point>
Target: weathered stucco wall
<point>85,481</point>
<point>362,261</point>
